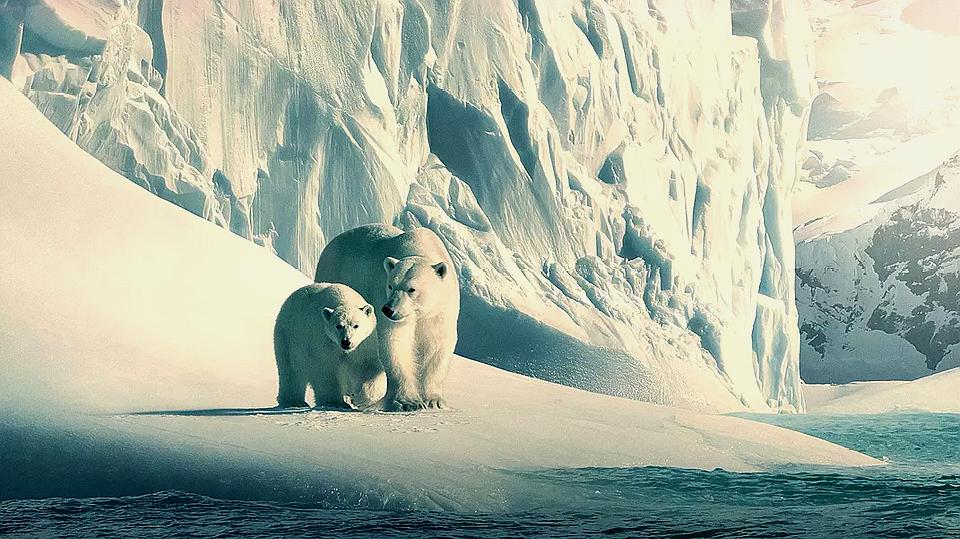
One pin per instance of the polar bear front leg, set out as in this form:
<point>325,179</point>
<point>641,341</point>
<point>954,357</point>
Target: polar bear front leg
<point>436,364</point>
<point>292,382</point>
<point>433,383</point>
<point>327,391</point>
<point>396,354</point>
<point>293,389</point>
<point>362,380</point>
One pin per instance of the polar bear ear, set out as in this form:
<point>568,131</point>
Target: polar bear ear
<point>389,263</point>
<point>441,269</point>
<point>327,312</point>
<point>367,310</point>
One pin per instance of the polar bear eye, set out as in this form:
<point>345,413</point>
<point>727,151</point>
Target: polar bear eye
<point>412,290</point>
<point>356,326</point>
<point>339,326</point>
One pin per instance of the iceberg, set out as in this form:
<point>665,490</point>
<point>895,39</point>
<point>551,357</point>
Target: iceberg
<point>936,393</point>
<point>613,179</point>
<point>136,357</point>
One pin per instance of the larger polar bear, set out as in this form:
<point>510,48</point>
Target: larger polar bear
<point>325,336</point>
<point>410,278</point>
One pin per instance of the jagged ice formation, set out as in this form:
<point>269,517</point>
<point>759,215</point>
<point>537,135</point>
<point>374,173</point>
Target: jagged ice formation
<point>612,178</point>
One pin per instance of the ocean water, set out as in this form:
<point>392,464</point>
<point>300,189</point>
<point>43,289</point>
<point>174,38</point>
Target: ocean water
<point>916,495</point>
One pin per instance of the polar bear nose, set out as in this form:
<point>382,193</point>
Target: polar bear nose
<point>345,344</point>
<point>387,311</point>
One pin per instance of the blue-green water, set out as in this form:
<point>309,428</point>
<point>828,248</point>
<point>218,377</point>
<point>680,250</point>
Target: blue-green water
<point>916,495</point>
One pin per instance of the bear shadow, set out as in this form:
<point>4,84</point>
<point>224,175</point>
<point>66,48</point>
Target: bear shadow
<point>222,412</point>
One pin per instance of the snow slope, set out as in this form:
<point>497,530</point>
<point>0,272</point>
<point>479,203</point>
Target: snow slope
<point>120,313</point>
<point>612,176</point>
<point>937,393</point>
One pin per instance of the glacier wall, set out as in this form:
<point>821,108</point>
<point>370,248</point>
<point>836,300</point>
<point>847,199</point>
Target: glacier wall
<point>612,178</point>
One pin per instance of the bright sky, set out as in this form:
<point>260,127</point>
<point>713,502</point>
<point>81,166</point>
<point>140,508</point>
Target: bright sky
<point>864,48</point>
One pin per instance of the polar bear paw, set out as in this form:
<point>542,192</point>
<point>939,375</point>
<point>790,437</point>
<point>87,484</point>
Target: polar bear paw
<point>294,404</point>
<point>436,401</point>
<point>404,404</point>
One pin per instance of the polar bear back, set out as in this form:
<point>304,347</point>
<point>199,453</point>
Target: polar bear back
<point>356,258</point>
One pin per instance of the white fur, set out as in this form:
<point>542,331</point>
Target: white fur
<point>325,336</point>
<point>416,342</point>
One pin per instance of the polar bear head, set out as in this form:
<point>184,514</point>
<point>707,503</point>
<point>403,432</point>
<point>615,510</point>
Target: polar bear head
<point>413,287</point>
<point>349,325</point>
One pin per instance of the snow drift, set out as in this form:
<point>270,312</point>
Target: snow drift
<point>612,177</point>
<point>937,393</point>
<point>135,348</point>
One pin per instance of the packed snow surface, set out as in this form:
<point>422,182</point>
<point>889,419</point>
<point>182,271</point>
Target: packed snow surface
<point>612,178</point>
<point>937,393</point>
<point>121,313</point>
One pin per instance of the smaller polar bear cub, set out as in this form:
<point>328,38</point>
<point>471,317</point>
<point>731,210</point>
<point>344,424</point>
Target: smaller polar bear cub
<point>325,337</point>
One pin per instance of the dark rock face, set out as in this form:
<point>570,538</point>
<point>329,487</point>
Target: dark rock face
<point>920,247</point>
<point>882,301</point>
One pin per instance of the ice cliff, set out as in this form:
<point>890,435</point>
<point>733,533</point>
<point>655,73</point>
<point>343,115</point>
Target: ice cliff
<point>612,178</point>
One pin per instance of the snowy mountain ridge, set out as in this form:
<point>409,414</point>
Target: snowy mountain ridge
<point>880,301</point>
<point>613,179</point>
<point>876,235</point>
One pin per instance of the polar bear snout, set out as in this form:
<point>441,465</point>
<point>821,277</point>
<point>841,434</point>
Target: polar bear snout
<point>392,315</point>
<point>346,344</point>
